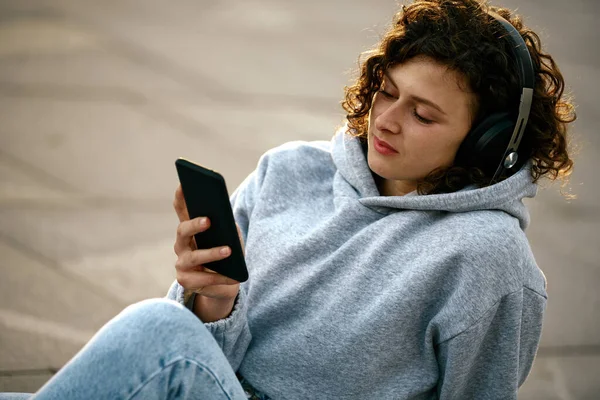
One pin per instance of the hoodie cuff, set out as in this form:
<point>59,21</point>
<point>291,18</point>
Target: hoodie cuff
<point>234,322</point>
<point>224,330</point>
<point>232,333</point>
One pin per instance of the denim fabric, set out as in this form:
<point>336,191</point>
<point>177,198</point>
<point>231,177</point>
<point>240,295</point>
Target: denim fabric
<point>155,349</point>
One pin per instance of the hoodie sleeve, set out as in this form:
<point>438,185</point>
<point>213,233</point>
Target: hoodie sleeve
<point>492,358</point>
<point>232,333</point>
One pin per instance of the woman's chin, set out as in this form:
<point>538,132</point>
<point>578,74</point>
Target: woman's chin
<point>380,167</point>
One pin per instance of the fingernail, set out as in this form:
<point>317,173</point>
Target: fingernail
<point>224,251</point>
<point>202,221</point>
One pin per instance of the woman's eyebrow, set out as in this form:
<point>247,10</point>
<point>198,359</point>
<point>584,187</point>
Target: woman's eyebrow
<point>389,78</point>
<point>428,102</point>
<point>416,98</point>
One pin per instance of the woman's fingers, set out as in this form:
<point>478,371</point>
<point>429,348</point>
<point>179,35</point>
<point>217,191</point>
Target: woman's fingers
<point>186,231</point>
<point>239,231</point>
<point>196,280</point>
<point>180,206</point>
<point>191,259</point>
<point>191,274</point>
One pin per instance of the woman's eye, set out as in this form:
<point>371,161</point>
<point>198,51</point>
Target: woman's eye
<point>421,119</point>
<point>386,94</point>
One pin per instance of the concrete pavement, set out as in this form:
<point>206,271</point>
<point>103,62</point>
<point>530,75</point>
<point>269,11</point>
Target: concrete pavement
<point>97,99</point>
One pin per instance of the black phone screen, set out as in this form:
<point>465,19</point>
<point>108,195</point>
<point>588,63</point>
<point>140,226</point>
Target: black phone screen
<point>206,195</point>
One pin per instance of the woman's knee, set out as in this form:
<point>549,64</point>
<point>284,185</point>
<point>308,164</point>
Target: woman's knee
<point>155,320</point>
<point>156,311</point>
<point>154,328</point>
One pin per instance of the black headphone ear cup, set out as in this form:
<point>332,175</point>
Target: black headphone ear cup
<point>484,145</point>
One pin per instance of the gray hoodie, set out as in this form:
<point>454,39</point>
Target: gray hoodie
<point>353,295</point>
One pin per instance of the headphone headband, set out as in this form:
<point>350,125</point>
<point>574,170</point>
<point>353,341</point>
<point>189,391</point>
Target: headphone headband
<point>527,80</point>
<point>520,52</point>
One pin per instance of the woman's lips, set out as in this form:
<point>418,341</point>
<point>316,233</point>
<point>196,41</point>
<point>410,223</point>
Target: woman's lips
<point>382,147</point>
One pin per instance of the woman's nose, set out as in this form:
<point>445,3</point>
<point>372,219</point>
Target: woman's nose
<point>389,121</point>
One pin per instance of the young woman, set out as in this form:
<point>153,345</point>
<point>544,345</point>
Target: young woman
<point>388,263</point>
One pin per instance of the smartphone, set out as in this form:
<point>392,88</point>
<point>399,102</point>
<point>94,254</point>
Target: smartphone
<point>205,195</point>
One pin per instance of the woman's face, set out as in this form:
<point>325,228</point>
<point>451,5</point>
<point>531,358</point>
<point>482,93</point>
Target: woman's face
<point>417,121</point>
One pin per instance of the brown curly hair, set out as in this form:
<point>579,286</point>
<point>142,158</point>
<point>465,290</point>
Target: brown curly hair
<point>463,36</point>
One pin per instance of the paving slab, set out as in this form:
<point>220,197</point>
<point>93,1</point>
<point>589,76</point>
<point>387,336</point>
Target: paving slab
<point>131,274</point>
<point>23,383</point>
<point>55,221</point>
<point>63,233</point>
<point>30,289</point>
<point>51,56</point>
<point>562,378</point>
<point>565,27</point>
<point>97,146</point>
<point>542,382</point>
<point>46,316</point>
<point>18,186</point>
<point>203,40</point>
<point>41,35</point>
<point>258,128</point>
<point>24,351</point>
<point>570,266</point>
<point>581,376</point>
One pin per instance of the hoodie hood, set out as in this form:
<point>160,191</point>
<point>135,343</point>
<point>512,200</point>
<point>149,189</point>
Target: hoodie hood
<point>351,162</point>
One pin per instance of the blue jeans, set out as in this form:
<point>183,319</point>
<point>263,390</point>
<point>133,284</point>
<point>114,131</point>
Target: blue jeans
<point>155,349</point>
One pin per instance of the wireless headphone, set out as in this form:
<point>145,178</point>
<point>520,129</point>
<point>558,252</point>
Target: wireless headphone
<point>493,145</point>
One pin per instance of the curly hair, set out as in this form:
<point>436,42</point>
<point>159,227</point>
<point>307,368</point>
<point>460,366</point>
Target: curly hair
<point>461,35</point>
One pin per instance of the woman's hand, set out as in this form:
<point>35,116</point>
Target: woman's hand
<point>216,293</point>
